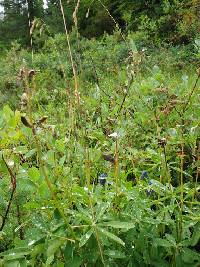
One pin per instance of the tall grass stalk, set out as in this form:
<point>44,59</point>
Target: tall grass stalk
<point>76,92</point>
<point>30,27</point>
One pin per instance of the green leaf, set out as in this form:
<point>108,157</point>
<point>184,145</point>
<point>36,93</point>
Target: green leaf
<point>37,250</point>
<point>37,241</point>
<point>50,158</point>
<point>85,237</point>
<point>27,185</point>
<point>189,256</point>
<point>14,263</point>
<point>49,260</point>
<point>53,246</point>
<point>62,160</point>
<point>75,262</point>
<point>15,253</point>
<point>60,145</point>
<point>7,112</point>
<point>159,242</point>
<point>21,149</point>
<point>34,174</point>
<point>30,153</point>
<point>60,264</point>
<point>118,224</point>
<point>171,239</point>
<point>102,209</point>
<point>111,236</point>
<point>23,262</point>
<point>196,236</point>
<point>71,258</point>
<point>179,170</point>
<point>115,254</point>
<point>84,214</point>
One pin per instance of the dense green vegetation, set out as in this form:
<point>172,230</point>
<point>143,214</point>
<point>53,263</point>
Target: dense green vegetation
<point>99,137</point>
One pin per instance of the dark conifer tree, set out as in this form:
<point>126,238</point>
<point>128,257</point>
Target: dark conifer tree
<point>14,24</point>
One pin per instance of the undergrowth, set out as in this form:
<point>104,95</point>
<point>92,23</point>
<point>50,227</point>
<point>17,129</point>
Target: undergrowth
<point>107,175</point>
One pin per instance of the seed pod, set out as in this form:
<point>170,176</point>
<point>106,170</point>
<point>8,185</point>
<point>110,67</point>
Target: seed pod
<point>25,122</point>
<point>42,120</point>
<point>21,74</point>
<point>109,158</point>
<point>162,142</point>
<point>24,99</point>
<point>31,74</point>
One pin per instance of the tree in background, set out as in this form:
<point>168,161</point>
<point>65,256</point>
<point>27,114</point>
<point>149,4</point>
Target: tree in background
<point>35,9</point>
<point>15,23</point>
<point>54,17</point>
<point>172,21</point>
<point>150,21</point>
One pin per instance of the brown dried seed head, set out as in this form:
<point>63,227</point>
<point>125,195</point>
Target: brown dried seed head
<point>24,97</point>
<point>42,120</point>
<point>109,158</point>
<point>21,74</point>
<point>162,142</point>
<point>161,89</point>
<point>31,73</point>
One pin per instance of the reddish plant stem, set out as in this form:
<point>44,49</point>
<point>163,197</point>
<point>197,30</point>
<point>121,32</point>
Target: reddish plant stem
<point>13,184</point>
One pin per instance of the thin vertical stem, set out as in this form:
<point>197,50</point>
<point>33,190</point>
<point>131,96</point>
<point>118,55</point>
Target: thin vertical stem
<point>70,54</point>
<point>182,189</point>
<point>87,170</point>
<point>166,166</point>
<point>29,23</point>
<point>115,22</point>
<point>116,168</point>
<point>197,171</point>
